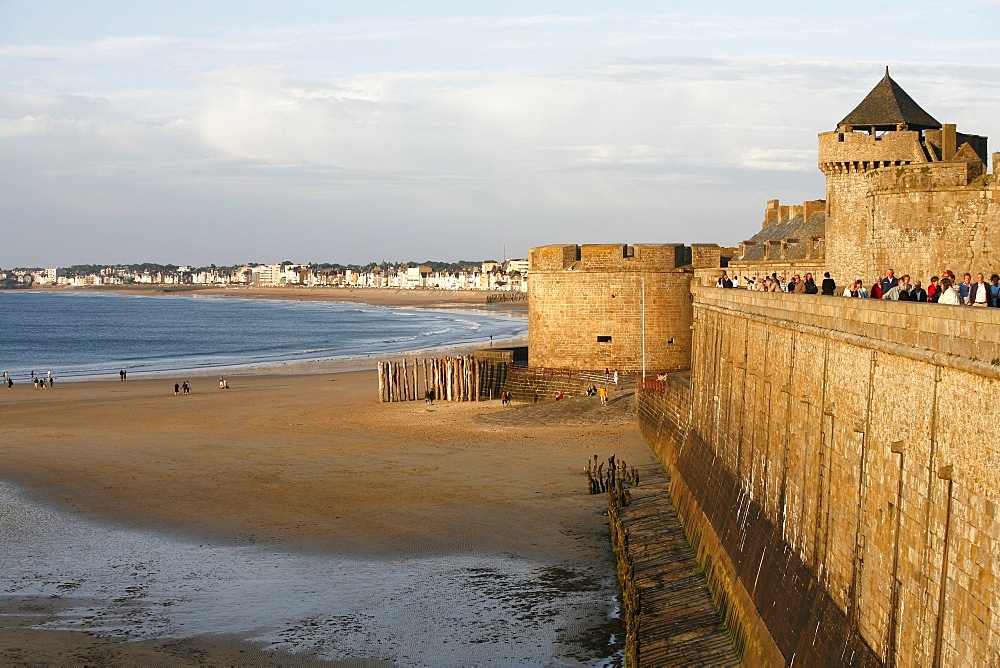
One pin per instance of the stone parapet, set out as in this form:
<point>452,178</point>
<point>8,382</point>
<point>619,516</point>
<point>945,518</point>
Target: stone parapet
<point>836,466</point>
<point>860,151</point>
<point>953,335</point>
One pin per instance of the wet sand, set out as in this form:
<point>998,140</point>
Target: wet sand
<point>303,463</point>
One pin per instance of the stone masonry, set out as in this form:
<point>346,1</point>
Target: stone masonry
<point>845,503</point>
<point>585,306</point>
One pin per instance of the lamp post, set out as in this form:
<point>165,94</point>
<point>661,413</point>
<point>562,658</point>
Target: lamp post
<point>643,329</point>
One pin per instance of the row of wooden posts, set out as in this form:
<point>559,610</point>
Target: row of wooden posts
<point>444,379</point>
<point>618,497</point>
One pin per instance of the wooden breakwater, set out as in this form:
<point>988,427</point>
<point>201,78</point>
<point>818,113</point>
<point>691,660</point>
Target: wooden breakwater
<point>463,378</point>
<point>504,297</point>
<point>670,619</point>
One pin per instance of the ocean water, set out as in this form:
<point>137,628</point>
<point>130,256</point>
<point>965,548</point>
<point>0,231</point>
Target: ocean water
<point>83,335</point>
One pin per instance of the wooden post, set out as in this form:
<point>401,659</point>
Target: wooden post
<point>466,378</point>
<point>451,378</point>
<point>437,380</point>
<point>476,364</point>
<point>426,386</point>
<point>388,381</point>
<point>405,382</point>
<point>392,381</point>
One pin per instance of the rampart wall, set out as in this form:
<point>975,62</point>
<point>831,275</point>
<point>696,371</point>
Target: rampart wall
<point>939,217</point>
<point>534,384</point>
<point>836,465</point>
<point>586,306</point>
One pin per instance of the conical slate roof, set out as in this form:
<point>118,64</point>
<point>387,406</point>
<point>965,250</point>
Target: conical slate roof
<point>888,106</point>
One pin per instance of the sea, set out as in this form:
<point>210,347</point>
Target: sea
<point>84,335</point>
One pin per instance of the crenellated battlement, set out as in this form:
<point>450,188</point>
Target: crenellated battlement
<point>928,177</point>
<point>854,152</point>
<point>610,257</point>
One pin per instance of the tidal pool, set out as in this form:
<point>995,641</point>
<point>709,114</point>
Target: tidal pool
<point>447,610</point>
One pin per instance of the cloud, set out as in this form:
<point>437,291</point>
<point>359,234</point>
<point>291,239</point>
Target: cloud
<point>22,127</point>
<point>778,159</point>
<point>112,48</point>
<point>372,130</point>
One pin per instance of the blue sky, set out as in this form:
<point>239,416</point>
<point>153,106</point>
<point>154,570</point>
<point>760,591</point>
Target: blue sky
<point>200,132</point>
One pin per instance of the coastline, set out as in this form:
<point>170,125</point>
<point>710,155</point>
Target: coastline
<point>471,301</point>
<point>396,297</point>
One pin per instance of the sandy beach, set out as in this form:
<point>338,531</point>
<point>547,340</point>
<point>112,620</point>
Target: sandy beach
<point>308,463</point>
<point>418,298</point>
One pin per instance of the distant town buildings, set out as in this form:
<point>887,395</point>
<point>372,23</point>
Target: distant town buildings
<point>511,276</point>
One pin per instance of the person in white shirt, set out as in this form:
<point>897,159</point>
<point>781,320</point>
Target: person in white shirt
<point>949,293</point>
<point>979,293</point>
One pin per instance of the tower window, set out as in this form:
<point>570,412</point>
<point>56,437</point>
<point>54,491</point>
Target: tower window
<point>604,339</point>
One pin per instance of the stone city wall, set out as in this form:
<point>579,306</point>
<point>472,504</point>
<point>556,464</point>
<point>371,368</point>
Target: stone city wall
<point>534,384</point>
<point>929,218</point>
<point>586,304</point>
<point>836,467</point>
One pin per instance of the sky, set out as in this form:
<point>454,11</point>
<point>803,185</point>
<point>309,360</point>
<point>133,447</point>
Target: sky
<point>231,132</point>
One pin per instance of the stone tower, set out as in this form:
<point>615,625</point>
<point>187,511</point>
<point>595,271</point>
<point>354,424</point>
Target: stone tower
<point>887,130</point>
<point>587,305</point>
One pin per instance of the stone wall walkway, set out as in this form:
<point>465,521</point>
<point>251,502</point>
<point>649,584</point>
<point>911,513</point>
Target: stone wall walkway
<point>678,623</point>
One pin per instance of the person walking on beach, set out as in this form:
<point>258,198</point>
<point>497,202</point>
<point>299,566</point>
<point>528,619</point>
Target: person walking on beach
<point>177,389</point>
<point>187,387</point>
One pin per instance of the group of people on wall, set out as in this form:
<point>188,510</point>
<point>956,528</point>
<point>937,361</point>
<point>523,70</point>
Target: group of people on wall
<point>944,289</point>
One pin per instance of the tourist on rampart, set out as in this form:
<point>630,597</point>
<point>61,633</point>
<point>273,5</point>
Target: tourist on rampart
<point>979,292</point>
<point>724,281</point>
<point>949,294</point>
<point>919,294</point>
<point>851,290</point>
<point>965,287</point>
<point>906,289</point>
<point>862,291</point>
<point>829,285</point>
<point>933,289</point>
<point>876,291</point>
<point>889,281</point>
<point>995,290</point>
<point>810,285</point>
